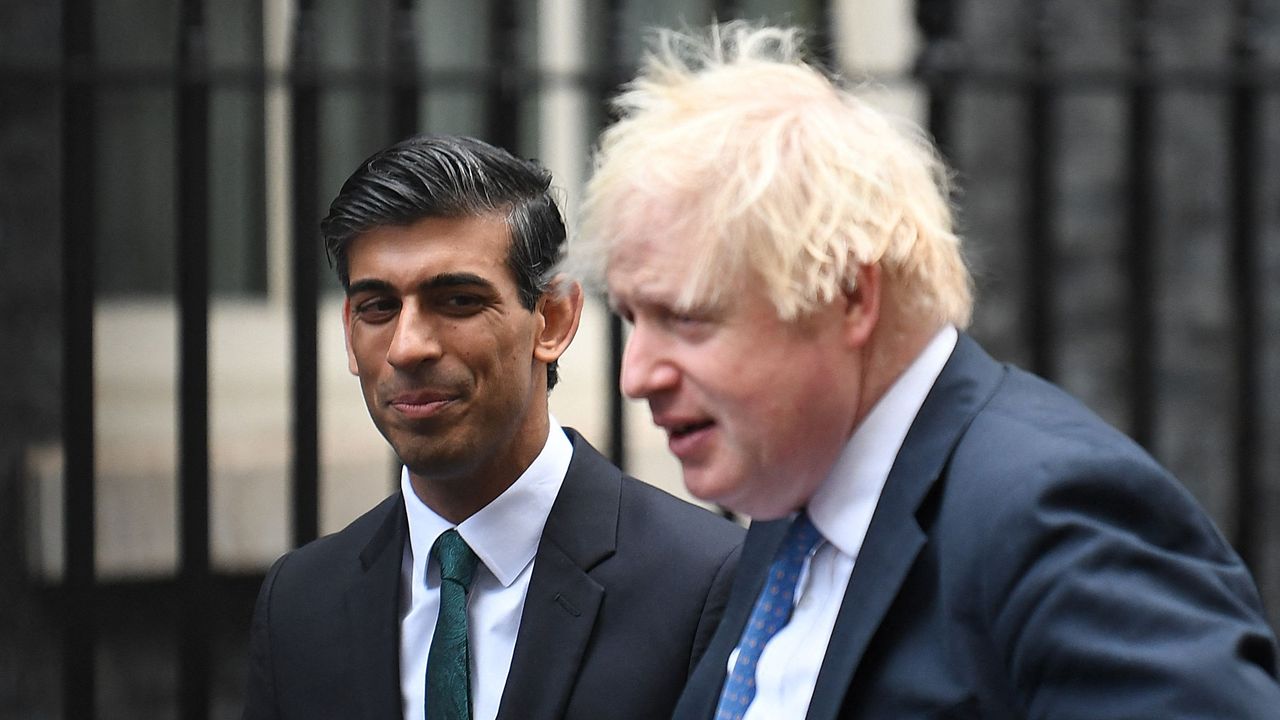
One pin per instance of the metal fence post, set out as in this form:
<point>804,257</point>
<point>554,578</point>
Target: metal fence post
<point>306,384</point>
<point>1141,328</point>
<point>79,158</point>
<point>502,107</point>
<point>1040,323</point>
<point>405,80</point>
<point>1246,260</point>
<point>193,356</point>
<point>938,68</point>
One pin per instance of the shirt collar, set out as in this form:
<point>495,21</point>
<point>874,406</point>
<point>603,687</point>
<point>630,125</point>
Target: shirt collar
<point>505,533</point>
<point>845,501</point>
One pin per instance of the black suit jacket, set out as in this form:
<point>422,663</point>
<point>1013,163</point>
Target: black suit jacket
<point>627,587</point>
<point>1025,560</point>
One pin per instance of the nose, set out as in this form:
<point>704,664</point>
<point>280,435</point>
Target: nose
<point>414,339</point>
<point>646,368</point>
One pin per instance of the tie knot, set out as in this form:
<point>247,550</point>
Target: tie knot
<point>457,560</point>
<point>800,539</point>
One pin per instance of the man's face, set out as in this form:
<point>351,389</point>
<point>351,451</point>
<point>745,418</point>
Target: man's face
<point>448,358</point>
<point>755,408</point>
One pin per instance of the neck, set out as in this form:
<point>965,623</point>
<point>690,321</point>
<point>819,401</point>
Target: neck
<point>894,346</point>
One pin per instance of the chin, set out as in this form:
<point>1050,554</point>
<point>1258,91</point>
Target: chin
<point>718,491</point>
<point>704,488</point>
<point>765,504</point>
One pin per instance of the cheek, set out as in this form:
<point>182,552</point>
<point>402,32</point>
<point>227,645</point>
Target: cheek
<point>502,354</point>
<point>369,347</point>
<point>777,409</point>
<point>761,387</point>
<point>367,363</point>
<point>757,427</point>
<point>369,374</point>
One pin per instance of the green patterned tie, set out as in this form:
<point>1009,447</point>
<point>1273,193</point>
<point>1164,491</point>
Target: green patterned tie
<point>449,659</point>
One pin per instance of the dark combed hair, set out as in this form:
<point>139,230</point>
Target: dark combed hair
<point>451,177</point>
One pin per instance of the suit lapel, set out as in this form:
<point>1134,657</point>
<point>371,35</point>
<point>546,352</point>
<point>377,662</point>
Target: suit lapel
<point>895,538</point>
<point>563,600</point>
<point>373,614</point>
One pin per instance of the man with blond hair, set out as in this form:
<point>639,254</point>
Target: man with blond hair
<point>934,534</point>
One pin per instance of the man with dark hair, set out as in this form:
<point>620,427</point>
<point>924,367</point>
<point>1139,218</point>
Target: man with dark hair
<point>517,573</point>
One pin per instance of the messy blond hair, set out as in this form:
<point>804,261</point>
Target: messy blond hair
<point>734,142</point>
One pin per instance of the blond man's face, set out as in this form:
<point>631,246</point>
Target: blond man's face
<point>755,408</point>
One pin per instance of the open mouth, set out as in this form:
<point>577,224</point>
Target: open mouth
<point>689,440</point>
<point>682,431</point>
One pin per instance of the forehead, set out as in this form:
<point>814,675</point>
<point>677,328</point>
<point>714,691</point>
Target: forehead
<point>653,265</point>
<point>431,245</point>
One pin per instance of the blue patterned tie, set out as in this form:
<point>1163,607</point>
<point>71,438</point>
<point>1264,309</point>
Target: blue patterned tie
<point>771,613</point>
<point>449,658</point>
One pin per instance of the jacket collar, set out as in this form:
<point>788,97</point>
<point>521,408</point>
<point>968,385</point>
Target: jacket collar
<point>373,613</point>
<point>895,537</point>
<point>561,607</point>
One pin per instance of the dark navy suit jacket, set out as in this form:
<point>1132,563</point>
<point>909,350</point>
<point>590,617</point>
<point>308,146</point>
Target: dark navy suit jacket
<point>628,585</point>
<point>1026,561</point>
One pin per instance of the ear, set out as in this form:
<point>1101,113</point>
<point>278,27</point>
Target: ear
<point>862,305</point>
<point>559,311</point>
<point>346,334</point>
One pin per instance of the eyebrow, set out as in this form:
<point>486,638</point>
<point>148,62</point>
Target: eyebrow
<point>436,282</point>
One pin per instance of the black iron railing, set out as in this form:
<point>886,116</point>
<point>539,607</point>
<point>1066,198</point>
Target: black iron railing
<point>947,69</point>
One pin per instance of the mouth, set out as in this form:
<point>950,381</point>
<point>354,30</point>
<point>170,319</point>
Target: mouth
<point>688,439</point>
<point>421,405</point>
<point>677,432</point>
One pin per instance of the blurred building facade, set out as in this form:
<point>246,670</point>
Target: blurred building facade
<point>176,410</point>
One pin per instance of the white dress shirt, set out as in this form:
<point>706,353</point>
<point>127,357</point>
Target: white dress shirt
<point>504,534</point>
<point>841,509</point>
